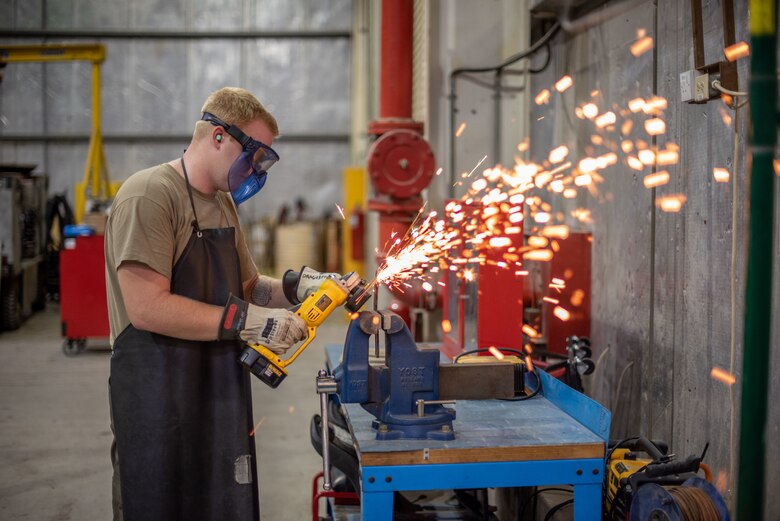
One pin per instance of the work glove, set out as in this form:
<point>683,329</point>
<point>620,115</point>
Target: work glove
<point>276,329</point>
<point>298,285</point>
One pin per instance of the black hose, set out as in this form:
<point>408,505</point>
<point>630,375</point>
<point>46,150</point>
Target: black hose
<point>556,508</point>
<point>535,494</point>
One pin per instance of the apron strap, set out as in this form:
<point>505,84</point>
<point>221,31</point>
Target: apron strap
<point>195,225</point>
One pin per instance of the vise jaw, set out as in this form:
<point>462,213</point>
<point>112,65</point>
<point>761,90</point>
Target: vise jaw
<point>398,391</point>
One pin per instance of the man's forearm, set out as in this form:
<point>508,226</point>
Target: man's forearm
<point>268,292</point>
<point>179,317</point>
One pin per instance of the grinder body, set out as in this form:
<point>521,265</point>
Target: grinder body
<point>269,367</point>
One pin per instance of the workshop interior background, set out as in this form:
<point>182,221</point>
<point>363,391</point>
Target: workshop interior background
<point>661,282</point>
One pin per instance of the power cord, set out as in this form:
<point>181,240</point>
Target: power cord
<point>717,86</point>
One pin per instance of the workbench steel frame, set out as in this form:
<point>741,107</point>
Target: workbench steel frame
<point>379,482</point>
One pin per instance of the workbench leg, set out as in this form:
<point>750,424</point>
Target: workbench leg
<point>376,506</point>
<point>587,502</point>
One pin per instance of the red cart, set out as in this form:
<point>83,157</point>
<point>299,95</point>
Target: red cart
<point>83,308</point>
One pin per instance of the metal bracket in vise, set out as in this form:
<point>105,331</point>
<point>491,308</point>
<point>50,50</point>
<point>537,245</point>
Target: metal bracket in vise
<point>398,391</point>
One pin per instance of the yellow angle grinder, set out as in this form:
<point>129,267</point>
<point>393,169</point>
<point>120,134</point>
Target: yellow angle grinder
<point>349,290</point>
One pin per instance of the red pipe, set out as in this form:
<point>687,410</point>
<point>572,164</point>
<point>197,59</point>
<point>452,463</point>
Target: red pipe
<point>395,89</point>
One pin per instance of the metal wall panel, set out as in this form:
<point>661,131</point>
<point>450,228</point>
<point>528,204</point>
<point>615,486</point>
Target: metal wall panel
<point>100,14</point>
<point>304,83</point>
<point>158,14</point>
<point>21,14</point>
<point>159,91</point>
<point>221,15</point>
<point>68,98</point>
<point>213,64</point>
<point>21,99</point>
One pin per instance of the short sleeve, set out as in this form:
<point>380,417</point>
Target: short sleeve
<point>142,231</point>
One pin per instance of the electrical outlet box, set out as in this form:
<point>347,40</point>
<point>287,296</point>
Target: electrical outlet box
<point>687,80</point>
<point>701,88</point>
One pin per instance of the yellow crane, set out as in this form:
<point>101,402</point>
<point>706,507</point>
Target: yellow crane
<point>95,185</point>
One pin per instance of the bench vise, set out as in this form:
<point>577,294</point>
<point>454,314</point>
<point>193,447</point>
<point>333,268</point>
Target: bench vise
<point>408,393</point>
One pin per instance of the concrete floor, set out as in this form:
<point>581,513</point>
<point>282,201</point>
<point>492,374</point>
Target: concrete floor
<point>55,436</point>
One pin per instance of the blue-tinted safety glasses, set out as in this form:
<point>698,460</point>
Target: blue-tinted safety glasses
<point>249,171</point>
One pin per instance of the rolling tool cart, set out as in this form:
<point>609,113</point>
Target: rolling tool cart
<point>83,307</point>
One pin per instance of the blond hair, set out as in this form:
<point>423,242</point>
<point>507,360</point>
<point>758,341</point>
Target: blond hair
<point>234,106</point>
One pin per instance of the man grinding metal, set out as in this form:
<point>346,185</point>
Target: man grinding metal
<point>183,292</point>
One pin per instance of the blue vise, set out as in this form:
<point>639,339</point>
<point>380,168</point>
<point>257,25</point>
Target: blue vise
<point>396,393</point>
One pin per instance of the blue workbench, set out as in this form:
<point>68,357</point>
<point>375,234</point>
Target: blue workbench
<point>556,438</point>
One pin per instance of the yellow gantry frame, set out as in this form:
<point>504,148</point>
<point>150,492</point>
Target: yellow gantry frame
<point>95,185</point>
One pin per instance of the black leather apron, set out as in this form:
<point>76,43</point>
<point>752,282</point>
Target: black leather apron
<point>182,410</point>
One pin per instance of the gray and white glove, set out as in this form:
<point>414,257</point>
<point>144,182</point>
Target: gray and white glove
<point>276,329</point>
<point>298,285</point>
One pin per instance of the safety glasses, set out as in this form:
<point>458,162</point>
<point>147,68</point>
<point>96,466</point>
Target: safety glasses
<point>262,156</point>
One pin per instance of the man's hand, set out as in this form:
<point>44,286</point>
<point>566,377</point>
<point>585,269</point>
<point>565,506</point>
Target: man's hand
<point>276,329</point>
<point>298,285</point>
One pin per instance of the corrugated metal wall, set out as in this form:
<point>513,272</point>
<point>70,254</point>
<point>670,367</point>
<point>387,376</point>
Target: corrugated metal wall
<point>662,281</point>
<point>167,57</point>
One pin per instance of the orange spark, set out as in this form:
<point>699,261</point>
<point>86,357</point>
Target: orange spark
<point>571,193</point>
<point>534,241</point>
<point>654,105</point>
<point>427,286</point>
<point>460,130</point>
<point>626,146</point>
<point>538,255</point>
<point>543,97</point>
<point>354,315</point>
<point>529,365</point>
<point>736,51</point>
<point>655,126</point>
<point>560,231</point>
<point>671,203</point>
<point>529,331</point>
<point>523,145</point>
<point>558,154</point>
<point>439,171</point>
<point>500,242</point>
<point>657,179</point>
<point>588,164</point>
<point>516,217</point>
<point>257,426</point>
<point>647,157</point>
<point>577,297</point>
<point>641,46</point>
<point>446,326</point>
<point>723,376</point>
<point>583,180</point>
<point>561,313</point>
<point>636,104</point>
<point>557,186</point>
<point>541,217</point>
<point>496,353</point>
<point>626,127</point>
<point>667,157</point>
<point>564,83</point>
<point>590,110</point>
<point>341,211</point>
<point>606,119</point>
<point>776,165</point>
<point>551,300</point>
<point>721,175</point>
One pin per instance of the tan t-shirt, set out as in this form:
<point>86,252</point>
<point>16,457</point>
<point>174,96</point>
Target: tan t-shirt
<point>151,223</point>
